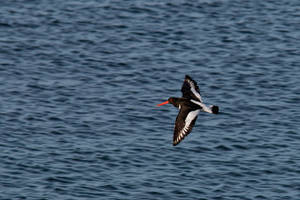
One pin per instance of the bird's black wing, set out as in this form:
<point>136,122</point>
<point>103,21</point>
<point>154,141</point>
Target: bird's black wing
<point>185,121</point>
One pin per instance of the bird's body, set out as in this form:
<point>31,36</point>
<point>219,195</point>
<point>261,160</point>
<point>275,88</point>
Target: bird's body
<point>190,104</point>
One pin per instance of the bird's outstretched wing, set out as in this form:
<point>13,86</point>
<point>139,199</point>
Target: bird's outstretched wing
<point>185,121</point>
<point>190,89</point>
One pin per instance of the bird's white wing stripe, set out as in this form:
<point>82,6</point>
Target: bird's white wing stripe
<point>194,91</point>
<point>190,117</point>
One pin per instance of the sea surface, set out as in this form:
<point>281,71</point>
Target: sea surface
<point>80,80</point>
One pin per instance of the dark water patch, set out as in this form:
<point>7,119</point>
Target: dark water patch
<point>240,147</point>
<point>59,179</point>
<point>223,148</point>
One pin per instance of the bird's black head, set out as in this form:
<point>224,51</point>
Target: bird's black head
<point>215,109</point>
<point>171,100</point>
<point>174,101</point>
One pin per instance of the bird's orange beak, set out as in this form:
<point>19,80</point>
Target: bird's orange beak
<point>163,103</point>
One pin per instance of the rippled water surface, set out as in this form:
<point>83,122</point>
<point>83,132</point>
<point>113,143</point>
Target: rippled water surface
<point>79,82</point>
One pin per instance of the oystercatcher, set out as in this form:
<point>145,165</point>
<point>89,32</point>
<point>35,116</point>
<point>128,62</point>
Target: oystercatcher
<point>190,104</point>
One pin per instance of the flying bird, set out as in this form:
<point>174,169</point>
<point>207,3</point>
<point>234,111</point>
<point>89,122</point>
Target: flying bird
<point>190,104</point>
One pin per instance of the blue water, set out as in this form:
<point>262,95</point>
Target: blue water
<point>79,82</point>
